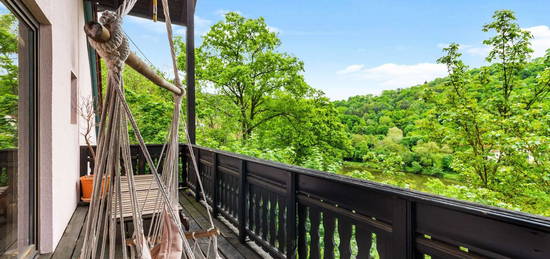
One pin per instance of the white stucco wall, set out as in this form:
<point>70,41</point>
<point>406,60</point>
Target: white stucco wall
<point>63,51</point>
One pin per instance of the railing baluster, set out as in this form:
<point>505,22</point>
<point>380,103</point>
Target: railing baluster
<point>83,161</point>
<point>263,211</point>
<point>257,207</point>
<point>197,153</point>
<point>344,233</point>
<point>251,207</point>
<point>364,241</point>
<point>328,239</point>
<point>291,215</point>
<point>281,231</point>
<point>215,185</point>
<point>242,202</point>
<point>314,216</point>
<point>188,167</point>
<point>234,196</point>
<point>384,246</point>
<point>183,171</point>
<point>223,197</point>
<point>302,235</point>
<point>272,218</point>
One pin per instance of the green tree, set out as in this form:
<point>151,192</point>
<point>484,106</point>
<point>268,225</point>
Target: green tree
<point>239,58</point>
<point>496,131</point>
<point>510,50</point>
<point>466,120</point>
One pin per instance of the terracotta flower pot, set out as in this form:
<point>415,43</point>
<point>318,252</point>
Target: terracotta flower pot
<point>87,185</point>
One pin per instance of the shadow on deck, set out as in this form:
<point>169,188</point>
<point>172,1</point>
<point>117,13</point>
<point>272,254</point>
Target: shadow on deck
<point>228,244</point>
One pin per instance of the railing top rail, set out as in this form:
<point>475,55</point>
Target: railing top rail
<point>514,217</point>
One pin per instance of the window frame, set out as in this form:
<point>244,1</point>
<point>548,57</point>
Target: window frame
<point>24,16</point>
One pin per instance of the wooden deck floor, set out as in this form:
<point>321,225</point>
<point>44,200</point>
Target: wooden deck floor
<point>228,244</point>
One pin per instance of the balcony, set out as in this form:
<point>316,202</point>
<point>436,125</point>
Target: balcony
<point>332,216</point>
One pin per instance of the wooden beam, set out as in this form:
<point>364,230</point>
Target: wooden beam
<point>190,69</point>
<point>99,33</point>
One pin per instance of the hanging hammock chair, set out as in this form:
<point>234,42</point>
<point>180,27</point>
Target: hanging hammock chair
<point>114,194</point>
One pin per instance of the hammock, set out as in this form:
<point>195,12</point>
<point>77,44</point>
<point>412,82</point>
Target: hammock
<point>113,172</point>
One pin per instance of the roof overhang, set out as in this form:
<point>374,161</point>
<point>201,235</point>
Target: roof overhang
<point>144,9</point>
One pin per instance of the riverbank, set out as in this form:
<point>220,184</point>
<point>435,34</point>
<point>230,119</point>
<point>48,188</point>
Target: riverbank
<point>413,181</point>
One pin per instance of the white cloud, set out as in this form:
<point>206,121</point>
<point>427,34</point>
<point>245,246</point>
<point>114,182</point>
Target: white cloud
<point>202,26</point>
<point>442,45</point>
<point>393,76</point>
<point>274,29</point>
<point>478,51</point>
<point>469,49</point>
<point>541,39</point>
<point>201,22</point>
<point>350,69</point>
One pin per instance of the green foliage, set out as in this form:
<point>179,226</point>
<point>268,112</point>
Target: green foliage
<point>239,60</point>
<point>486,126</point>
<point>253,99</point>
<point>151,106</point>
<point>8,81</point>
<point>478,134</point>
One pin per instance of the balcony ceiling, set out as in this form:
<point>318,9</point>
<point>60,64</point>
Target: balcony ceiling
<point>144,9</point>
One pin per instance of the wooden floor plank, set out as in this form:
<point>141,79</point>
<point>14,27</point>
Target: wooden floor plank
<point>223,245</point>
<point>45,256</point>
<point>203,244</point>
<point>69,239</point>
<point>72,240</point>
<point>228,235</point>
<point>80,240</point>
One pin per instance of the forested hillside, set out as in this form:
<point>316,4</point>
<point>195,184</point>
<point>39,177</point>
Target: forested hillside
<point>487,127</point>
<point>410,131</point>
<point>402,121</point>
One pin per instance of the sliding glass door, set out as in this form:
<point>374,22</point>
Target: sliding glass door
<point>18,130</point>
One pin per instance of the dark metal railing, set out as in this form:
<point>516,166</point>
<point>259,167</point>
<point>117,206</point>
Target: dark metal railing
<point>295,212</point>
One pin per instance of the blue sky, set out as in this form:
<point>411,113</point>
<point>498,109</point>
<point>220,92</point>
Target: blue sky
<point>353,47</point>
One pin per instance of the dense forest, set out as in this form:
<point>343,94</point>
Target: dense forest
<point>479,134</point>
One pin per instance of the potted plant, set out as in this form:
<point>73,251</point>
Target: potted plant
<point>86,112</point>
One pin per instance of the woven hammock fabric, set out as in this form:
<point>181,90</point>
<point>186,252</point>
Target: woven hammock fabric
<point>165,238</point>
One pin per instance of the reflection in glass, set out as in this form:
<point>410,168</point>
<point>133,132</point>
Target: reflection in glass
<point>11,44</point>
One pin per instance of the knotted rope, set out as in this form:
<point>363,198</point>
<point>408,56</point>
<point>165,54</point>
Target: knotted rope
<point>116,50</point>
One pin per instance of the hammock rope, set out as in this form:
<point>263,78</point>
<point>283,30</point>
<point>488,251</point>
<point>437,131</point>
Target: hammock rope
<point>166,238</point>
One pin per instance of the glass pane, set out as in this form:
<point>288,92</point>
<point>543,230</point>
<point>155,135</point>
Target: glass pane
<point>14,73</point>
